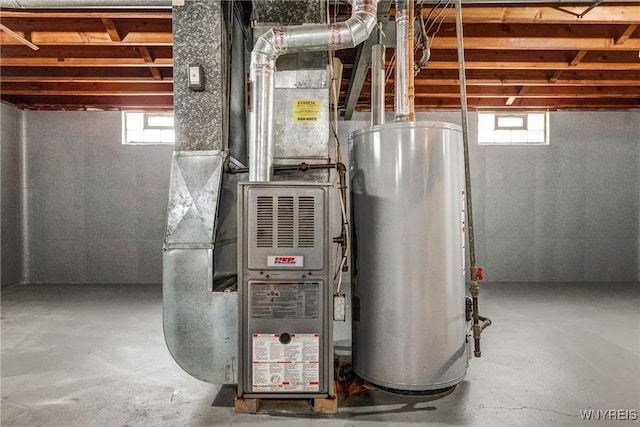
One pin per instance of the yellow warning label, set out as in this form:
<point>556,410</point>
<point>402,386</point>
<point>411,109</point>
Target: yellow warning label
<point>306,110</point>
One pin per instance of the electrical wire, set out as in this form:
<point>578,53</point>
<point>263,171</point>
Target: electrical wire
<point>449,5</point>
<point>432,9</point>
<point>347,237</point>
<point>345,222</point>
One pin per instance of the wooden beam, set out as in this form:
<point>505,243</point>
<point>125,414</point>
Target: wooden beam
<point>625,36</point>
<point>522,82</point>
<point>507,65</point>
<point>489,103</point>
<point>100,101</point>
<point>85,93</point>
<point>541,92</point>
<point>576,59</point>
<point>84,62</point>
<point>110,26</point>
<point>146,55</point>
<point>80,88</point>
<point>554,78</point>
<point>523,91</point>
<point>550,91</point>
<point>94,38</point>
<point>22,39</point>
<point>603,14</point>
<point>121,74</point>
<point>87,79</point>
<point>535,43</point>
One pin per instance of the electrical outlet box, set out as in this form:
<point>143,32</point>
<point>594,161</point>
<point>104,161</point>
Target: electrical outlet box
<point>340,308</point>
<point>196,77</point>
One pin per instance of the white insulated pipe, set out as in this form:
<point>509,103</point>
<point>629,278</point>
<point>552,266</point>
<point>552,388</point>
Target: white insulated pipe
<point>299,38</point>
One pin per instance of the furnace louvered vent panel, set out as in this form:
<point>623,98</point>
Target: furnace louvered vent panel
<point>285,222</point>
<point>286,215</point>
<point>306,222</point>
<point>264,222</point>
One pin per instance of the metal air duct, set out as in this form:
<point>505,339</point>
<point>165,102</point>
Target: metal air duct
<point>279,41</point>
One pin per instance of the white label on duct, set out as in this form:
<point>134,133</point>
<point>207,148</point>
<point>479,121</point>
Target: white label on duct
<point>285,261</point>
<point>288,367</point>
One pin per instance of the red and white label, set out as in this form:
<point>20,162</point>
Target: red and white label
<point>286,367</point>
<point>285,261</point>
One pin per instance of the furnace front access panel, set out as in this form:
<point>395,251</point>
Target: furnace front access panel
<point>283,254</point>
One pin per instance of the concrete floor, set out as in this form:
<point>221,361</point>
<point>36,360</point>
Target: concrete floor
<point>95,356</point>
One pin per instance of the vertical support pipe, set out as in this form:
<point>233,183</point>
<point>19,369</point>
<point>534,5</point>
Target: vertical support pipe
<point>24,198</point>
<point>473,287</point>
<point>377,84</point>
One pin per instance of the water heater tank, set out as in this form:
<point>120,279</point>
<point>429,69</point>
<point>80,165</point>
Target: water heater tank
<point>409,328</point>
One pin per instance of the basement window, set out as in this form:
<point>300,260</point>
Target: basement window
<point>141,128</point>
<point>521,128</point>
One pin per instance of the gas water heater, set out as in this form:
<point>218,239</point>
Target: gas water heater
<point>408,198</point>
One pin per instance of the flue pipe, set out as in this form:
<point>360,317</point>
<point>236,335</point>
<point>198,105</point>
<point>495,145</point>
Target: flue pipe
<point>404,61</point>
<point>278,41</point>
<point>377,84</point>
<point>411,89</point>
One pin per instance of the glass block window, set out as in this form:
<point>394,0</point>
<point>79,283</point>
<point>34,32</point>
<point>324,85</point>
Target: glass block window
<point>147,128</point>
<point>521,128</point>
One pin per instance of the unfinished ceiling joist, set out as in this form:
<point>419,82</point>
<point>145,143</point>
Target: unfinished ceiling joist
<point>525,54</point>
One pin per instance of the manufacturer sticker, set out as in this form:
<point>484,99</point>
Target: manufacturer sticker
<point>285,261</point>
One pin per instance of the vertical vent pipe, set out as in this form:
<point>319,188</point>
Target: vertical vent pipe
<point>377,84</point>
<point>405,110</point>
<point>300,38</point>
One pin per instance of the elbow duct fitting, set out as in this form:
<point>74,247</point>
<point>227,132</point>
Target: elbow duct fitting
<point>279,41</point>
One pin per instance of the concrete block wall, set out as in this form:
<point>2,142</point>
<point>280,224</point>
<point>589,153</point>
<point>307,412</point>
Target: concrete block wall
<point>95,209</point>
